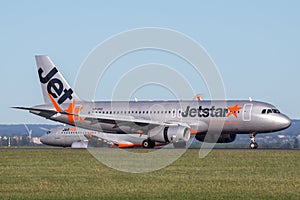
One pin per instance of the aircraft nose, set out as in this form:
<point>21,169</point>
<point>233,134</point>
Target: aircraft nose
<point>43,139</point>
<point>284,122</point>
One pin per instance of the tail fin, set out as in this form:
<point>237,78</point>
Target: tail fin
<point>53,83</point>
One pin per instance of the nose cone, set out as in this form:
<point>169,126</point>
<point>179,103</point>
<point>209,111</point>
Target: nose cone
<point>284,122</point>
<point>43,139</point>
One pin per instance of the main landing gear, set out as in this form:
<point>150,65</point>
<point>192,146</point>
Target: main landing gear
<point>148,143</point>
<point>253,144</point>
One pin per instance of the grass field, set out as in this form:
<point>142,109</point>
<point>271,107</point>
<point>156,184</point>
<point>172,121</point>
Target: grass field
<point>223,174</point>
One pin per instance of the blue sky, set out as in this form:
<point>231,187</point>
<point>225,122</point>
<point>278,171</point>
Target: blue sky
<point>255,44</point>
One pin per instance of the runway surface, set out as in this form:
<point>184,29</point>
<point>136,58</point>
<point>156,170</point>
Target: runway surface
<point>105,148</point>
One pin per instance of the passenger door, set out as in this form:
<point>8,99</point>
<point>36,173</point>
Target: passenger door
<point>247,109</point>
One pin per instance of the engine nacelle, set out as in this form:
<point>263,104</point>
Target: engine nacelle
<point>211,138</point>
<point>170,134</point>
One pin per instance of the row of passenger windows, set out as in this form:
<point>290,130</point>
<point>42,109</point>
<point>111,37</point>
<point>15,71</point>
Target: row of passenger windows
<point>73,133</point>
<point>67,132</point>
<point>137,112</point>
<point>268,111</point>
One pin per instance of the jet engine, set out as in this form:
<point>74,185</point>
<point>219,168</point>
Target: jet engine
<point>170,134</point>
<point>212,138</point>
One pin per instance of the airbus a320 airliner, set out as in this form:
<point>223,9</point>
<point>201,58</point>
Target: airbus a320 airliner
<point>162,122</point>
<point>67,136</point>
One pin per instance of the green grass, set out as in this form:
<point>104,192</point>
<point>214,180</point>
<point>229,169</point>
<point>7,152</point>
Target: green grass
<point>223,174</point>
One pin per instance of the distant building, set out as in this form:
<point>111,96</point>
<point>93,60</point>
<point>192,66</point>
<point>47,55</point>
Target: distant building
<point>36,140</point>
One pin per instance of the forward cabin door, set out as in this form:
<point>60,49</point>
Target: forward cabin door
<point>247,109</point>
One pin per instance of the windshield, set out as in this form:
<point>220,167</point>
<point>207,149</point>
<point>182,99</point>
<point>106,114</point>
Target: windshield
<point>269,110</point>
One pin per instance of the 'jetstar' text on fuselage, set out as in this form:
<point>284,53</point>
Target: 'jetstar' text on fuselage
<point>204,112</point>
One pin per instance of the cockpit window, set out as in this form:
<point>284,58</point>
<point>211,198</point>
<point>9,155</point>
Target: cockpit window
<point>275,111</point>
<point>48,132</point>
<point>268,111</point>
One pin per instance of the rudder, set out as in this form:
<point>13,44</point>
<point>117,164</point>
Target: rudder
<point>53,83</point>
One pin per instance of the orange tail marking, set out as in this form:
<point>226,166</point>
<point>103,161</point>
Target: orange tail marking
<point>71,109</point>
<point>56,106</point>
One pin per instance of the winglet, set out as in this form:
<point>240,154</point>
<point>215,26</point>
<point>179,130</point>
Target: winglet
<point>198,97</point>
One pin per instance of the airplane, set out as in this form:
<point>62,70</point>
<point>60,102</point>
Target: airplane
<point>170,122</point>
<point>74,137</point>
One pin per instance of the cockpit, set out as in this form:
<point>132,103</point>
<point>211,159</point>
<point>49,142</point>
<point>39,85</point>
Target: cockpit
<point>269,110</point>
<point>48,132</point>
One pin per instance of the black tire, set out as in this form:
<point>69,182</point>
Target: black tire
<point>145,144</point>
<point>253,145</point>
<point>148,144</point>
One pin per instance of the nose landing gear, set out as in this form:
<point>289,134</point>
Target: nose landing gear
<point>253,144</point>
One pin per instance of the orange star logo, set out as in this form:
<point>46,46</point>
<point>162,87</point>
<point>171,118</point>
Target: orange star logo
<point>233,110</point>
<point>71,111</point>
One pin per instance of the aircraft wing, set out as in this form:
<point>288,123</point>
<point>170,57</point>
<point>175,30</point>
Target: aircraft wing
<point>110,139</point>
<point>119,120</point>
<point>95,119</point>
<point>130,121</point>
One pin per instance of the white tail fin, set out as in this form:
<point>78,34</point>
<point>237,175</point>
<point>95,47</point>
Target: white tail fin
<point>53,83</point>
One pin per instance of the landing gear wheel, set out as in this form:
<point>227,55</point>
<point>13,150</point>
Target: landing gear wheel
<point>148,144</point>
<point>253,145</point>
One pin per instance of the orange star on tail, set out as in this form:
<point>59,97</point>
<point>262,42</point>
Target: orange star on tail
<point>71,110</point>
<point>233,110</point>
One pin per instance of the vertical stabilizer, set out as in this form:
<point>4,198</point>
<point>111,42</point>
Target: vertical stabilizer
<point>54,86</point>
